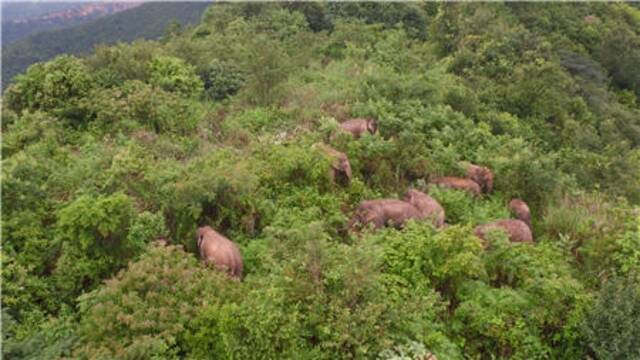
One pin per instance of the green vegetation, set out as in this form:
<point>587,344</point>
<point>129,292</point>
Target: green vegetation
<point>111,161</point>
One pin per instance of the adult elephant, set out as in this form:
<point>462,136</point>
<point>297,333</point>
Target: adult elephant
<point>428,207</point>
<point>518,230</point>
<point>359,126</point>
<point>219,251</point>
<point>383,212</point>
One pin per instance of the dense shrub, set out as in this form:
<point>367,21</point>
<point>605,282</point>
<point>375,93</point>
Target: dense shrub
<point>92,238</point>
<point>221,79</point>
<point>611,326</point>
<point>143,312</point>
<point>173,74</point>
<point>55,86</point>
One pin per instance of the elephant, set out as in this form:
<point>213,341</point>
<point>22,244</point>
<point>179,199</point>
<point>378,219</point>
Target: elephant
<point>521,210</point>
<point>481,175</point>
<point>427,206</point>
<point>359,126</point>
<point>340,165</point>
<point>519,230</point>
<point>221,252</point>
<point>381,212</point>
<point>458,183</point>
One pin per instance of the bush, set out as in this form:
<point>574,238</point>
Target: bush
<point>173,74</point>
<point>494,321</point>
<point>54,86</point>
<point>221,79</point>
<point>92,237</point>
<point>611,327</point>
<point>143,312</point>
<point>423,258</point>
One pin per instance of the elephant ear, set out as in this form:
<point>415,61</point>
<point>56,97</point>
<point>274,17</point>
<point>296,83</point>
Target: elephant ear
<point>200,238</point>
<point>371,125</point>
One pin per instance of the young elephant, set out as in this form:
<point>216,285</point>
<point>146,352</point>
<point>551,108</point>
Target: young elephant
<point>219,251</point>
<point>359,126</point>
<point>426,205</point>
<point>381,212</point>
<point>340,166</point>
<point>458,184</point>
<point>481,175</point>
<point>518,230</point>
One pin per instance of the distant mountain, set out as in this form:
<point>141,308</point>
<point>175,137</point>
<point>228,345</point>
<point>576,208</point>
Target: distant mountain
<point>147,21</point>
<point>21,10</point>
<point>24,19</point>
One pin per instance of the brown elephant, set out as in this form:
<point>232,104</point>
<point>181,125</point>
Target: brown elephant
<point>481,175</point>
<point>521,210</point>
<point>219,251</point>
<point>519,230</point>
<point>340,165</point>
<point>359,126</point>
<point>426,205</point>
<point>381,212</point>
<point>458,184</point>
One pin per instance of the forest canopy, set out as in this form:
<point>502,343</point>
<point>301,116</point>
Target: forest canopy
<point>112,161</point>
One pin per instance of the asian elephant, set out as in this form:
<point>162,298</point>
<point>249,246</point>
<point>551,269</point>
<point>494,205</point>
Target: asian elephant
<point>458,184</point>
<point>340,165</point>
<point>481,175</point>
<point>221,252</point>
<point>359,126</point>
<point>521,210</point>
<point>427,206</point>
<point>381,212</point>
<point>519,230</point>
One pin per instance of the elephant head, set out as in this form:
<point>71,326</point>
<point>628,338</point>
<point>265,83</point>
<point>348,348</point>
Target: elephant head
<point>426,205</point>
<point>340,165</point>
<point>372,125</point>
<point>482,176</point>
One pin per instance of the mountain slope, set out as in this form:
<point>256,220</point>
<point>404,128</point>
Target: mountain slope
<point>16,27</point>
<point>147,21</point>
<point>111,162</point>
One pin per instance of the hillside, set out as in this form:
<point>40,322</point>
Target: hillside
<point>19,10</point>
<point>20,20</point>
<point>147,21</point>
<point>365,180</point>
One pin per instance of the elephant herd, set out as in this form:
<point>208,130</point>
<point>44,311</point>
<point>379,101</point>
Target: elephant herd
<point>221,252</point>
